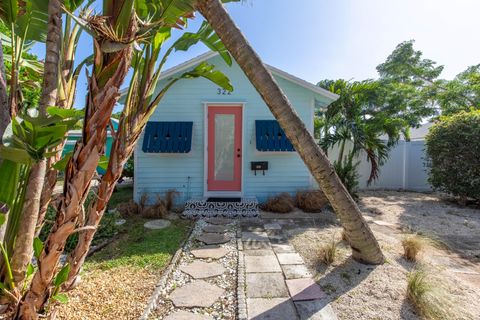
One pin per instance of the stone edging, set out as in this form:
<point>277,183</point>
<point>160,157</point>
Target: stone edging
<point>152,302</point>
<point>241,299</point>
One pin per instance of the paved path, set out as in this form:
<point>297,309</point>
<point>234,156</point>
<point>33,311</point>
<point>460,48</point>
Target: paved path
<point>272,279</point>
<point>277,283</point>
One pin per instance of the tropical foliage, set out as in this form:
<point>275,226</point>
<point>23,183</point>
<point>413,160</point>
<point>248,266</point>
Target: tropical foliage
<point>370,116</point>
<point>127,36</point>
<point>453,151</point>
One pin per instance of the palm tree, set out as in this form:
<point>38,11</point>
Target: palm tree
<point>361,116</point>
<point>365,247</point>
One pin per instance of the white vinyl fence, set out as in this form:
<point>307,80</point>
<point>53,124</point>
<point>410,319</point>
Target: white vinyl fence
<point>404,169</point>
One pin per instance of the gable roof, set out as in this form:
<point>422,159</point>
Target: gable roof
<point>275,71</point>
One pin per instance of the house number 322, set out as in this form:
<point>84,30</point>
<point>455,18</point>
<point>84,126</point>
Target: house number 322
<point>223,92</point>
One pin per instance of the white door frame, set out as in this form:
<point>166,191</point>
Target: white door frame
<point>207,193</point>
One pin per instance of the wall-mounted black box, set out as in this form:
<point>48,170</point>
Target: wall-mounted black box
<point>259,165</point>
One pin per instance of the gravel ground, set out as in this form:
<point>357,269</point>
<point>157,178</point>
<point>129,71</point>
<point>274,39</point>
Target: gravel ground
<point>123,296</point>
<point>365,292</point>
<point>226,307</point>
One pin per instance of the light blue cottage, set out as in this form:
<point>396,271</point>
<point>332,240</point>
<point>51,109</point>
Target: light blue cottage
<point>223,151</point>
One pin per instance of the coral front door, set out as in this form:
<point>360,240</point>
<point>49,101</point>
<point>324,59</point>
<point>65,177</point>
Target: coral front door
<point>224,148</point>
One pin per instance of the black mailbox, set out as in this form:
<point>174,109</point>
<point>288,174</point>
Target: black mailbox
<point>259,165</point>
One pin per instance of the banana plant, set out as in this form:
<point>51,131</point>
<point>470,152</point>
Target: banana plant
<point>141,100</point>
<point>122,25</point>
<point>27,142</point>
<point>27,21</point>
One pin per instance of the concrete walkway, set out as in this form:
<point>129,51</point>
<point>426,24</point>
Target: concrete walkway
<point>276,282</point>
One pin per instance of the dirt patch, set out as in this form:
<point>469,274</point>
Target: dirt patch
<point>118,293</point>
<point>357,291</point>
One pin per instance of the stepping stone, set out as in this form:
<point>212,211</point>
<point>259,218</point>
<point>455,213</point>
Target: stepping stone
<point>271,309</point>
<point>289,258</point>
<point>282,248</point>
<point>157,224</point>
<point>385,223</point>
<point>296,271</point>
<point>272,226</point>
<point>214,228</point>
<point>184,315</point>
<point>254,236</point>
<point>120,222</point>
<point>266,285</point>
<point>198,293</point>
<point>315,310</point>
<point>219,221</point>
<point>304,289</point>
<point>213,238</point>
<point>201,270</point>
<point>213,252</point>
<point>259,252</point>
<point>262,264</point>
<point>254,245</point>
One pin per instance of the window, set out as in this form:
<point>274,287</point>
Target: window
<point>168,137</point>
<point>270,137</point>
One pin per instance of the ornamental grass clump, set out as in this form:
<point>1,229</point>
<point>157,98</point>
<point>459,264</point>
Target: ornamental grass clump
<point>282,203</point>
<point>412,246</point>
<point>311,200</point>
<point>328,252</point>
<point>428,296</point>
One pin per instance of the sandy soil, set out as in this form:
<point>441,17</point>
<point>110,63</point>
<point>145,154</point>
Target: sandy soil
<point>366,292</point>
<point>96,298</point>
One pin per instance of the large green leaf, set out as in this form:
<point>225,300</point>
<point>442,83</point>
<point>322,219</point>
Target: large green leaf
<point>32,19</point>
<point>207,36</point>
<point>9,177</point>
<point>209,72</point>
<point>164,12</point>
<point>14,154</point>
<point>62,276</point>
<point>8,11</point>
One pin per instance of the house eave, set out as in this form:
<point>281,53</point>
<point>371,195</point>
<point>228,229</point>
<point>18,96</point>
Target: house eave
<point>275,71</point>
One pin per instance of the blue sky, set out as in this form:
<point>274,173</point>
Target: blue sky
<point>318,39</point>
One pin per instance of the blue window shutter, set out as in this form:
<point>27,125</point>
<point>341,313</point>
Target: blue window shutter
<point>269,136</point>
<point>168,137</point>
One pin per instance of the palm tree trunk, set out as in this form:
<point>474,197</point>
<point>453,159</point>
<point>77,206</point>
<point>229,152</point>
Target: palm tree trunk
<point>104,91</point>
<point>341,151</point>
<point>22,253</point>
<point>365,247</point>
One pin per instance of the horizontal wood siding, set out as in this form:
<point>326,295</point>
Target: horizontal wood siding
<point>157,173</point>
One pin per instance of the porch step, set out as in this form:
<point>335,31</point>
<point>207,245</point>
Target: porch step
<point>205,207</point>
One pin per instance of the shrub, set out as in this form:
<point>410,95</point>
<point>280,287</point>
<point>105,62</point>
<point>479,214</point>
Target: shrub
<point>283,203</point>
<point>347,172</point>
<point>128,168</point>
<point>311,200</point>
<point>453,149</point>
